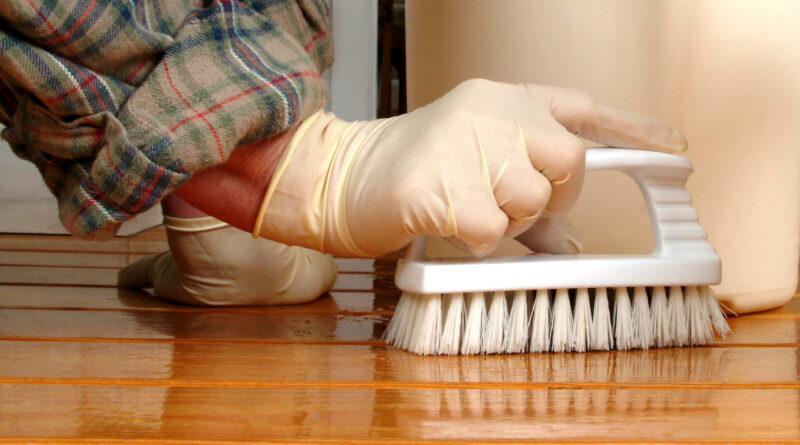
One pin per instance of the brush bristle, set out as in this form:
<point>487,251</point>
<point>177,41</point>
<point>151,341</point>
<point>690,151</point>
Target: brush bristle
<point>678,325</point>
<point>582,321</point>
<point>623,325</point>
<point>540,326</point>
<point>453,309</point>
<point>516,339</point>
<point>602,332</point>
<point>561,329</point>
<point>642,332</point>
<point>557,320</point>
<point>474,324</point>
<point>495,324</point>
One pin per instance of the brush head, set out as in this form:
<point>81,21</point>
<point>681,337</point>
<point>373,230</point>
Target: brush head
<point>558,320</point>
<point>575,302</point>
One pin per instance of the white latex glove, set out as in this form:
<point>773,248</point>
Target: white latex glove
<point>485,160</point>
<point>212,263</point>
<point>552,234</point>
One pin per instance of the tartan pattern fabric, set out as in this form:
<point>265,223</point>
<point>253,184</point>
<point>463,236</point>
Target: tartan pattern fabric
<point>118,102</point>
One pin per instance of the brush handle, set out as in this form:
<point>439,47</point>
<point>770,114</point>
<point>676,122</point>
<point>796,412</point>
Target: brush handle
<point>661,177</point>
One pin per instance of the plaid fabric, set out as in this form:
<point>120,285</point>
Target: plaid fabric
<point>118,102</point>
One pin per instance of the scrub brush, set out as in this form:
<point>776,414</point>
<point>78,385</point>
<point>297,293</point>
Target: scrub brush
<point>560,303</point>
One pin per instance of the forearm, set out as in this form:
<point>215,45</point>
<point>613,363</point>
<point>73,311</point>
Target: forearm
<point>233,191</point>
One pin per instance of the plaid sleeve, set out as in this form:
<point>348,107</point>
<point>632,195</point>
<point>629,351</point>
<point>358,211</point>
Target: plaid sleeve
<point>118,102</point>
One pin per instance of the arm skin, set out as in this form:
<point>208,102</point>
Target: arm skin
<point>231,191</point>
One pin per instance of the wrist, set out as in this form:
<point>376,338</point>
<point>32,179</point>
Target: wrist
<point>305,203</point>
<point>232,191</point>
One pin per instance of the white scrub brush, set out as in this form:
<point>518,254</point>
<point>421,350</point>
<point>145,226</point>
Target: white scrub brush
<point>559,303</point>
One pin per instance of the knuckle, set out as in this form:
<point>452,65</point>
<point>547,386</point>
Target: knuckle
<point>495,226</point>
<point>538,196</point>
<point>474,84</point>
<point>571,156</point>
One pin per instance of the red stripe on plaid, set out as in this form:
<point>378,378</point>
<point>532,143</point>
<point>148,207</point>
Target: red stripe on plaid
<point>51,27</point>
<point>315,38</point>
<point>58,135</point>
<point>197,113</point>
<point>80,212</point>
<point>99,196</point>
<point>91,84</point>
<point>127,180</point>
<point>77,87</point>
<point>242,94</point>
<point>70,51</point>
<point>149,190</point>
<point>61,38</point>
<point>300,14</point>
<point>102,196</point>
<point>249,55</point>
<point>92,200</point>
<point>136,70</point>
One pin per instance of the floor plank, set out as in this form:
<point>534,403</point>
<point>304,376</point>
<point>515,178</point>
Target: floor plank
<point>376,415</point>
<point>152,241</point>
<point>82,276</point>
<point>85,361</point>
<point>252,365</point>
<point>276,327</point>
<point>107,298</point>
<point>199,326</point>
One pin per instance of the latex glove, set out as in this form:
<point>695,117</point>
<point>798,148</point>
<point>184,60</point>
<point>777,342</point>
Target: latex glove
<point>212,263</point>
<point>552,234</point>
<point>485,160</point>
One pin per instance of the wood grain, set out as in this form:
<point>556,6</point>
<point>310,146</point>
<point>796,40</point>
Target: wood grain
<point>84,362</point>
<point>253,365</point>
<point>84,276</point>
<point>377,415</point>
<point>106,298</point>
<point>271,327</point>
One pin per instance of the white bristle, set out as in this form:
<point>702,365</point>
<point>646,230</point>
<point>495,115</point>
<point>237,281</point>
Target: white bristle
<point>516,338</point>
<point>715,312</point>
<point>622,319</point>
<point>561,338</point>
<point>678,326</point>
<point>540,326</point>
<point>659,318</point>
<point>454,323</point>
<point>582,321</point>
<point>450,343</point>
<point>401,323</point>
<point>602,333</point>
<point>474,324</point>
<point>642,332</point>
<point>700,329</point>
<point>495,324</point>
<point>427,325</point>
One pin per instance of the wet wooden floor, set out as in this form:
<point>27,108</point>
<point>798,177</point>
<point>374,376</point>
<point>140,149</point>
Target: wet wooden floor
<point>82,361</point>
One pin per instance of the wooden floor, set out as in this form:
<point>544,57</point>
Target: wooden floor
<point>83,361</point>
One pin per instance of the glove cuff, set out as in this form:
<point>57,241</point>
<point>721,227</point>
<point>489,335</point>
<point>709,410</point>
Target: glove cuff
<point>203,224</point>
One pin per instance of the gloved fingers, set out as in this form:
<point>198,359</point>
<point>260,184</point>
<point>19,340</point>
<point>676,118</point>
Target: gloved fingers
<point>474,219</point>
<point>560,157</point>
<point>552,234</point>
<point>313,274</point>
<point>519,189</point>
<point>583,116</point>
<point>167,283</point>
<point>137,274</point>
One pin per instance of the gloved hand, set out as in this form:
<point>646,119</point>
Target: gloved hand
<point>486,160</point>
<point>212,263</point>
